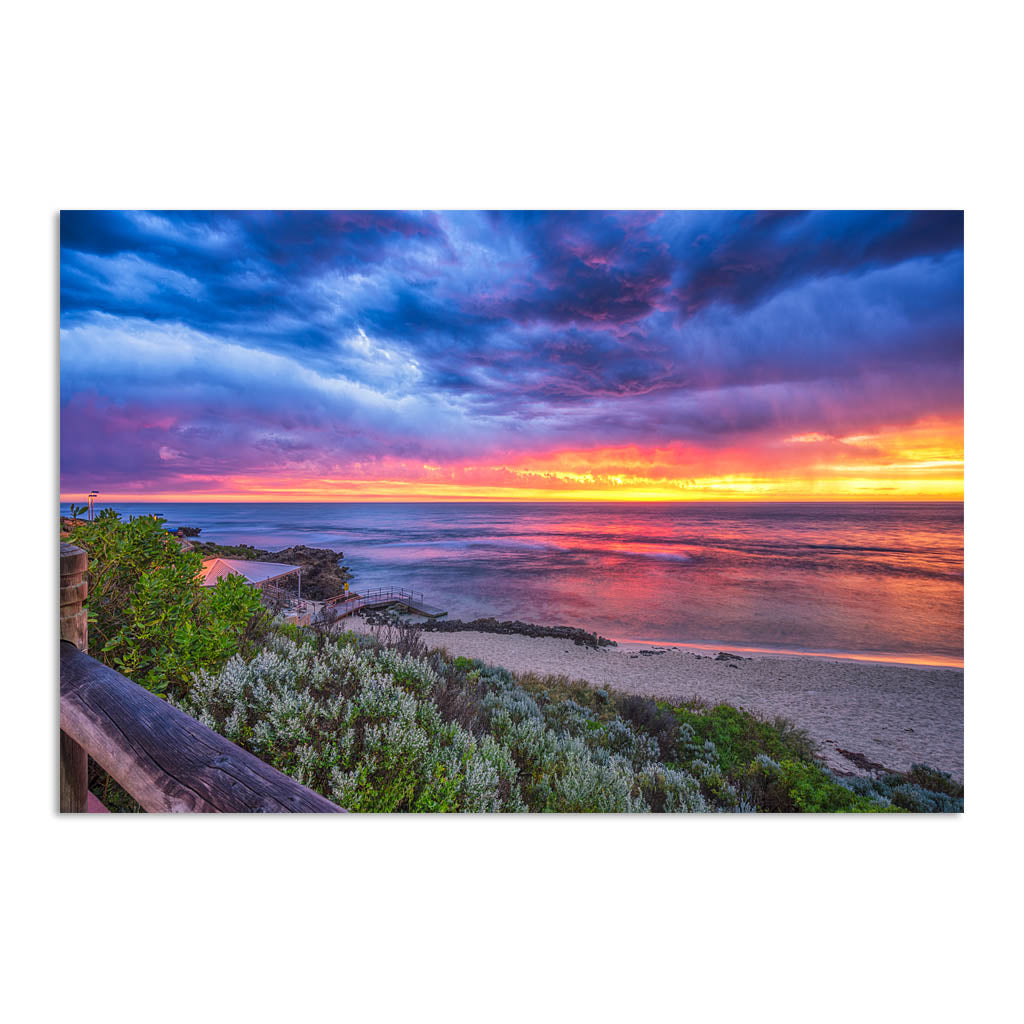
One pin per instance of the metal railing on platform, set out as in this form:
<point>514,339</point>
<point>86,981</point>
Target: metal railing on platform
<point>338,607</point>
<point>379,594</point>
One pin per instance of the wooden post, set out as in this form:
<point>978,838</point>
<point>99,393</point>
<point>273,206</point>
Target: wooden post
<point>74,621</point>
<point>74,628</point>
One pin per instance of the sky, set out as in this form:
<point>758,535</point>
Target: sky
<point>457,356</point>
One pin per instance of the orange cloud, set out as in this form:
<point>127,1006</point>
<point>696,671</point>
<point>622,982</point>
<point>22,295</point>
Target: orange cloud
<point>920,462</point>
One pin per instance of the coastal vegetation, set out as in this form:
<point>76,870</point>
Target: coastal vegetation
<point>378,729</point>
<point>149,616</point>
<point>378,723</point>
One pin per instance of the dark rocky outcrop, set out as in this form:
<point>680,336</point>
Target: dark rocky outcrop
<point>863,762</point>
<point>490,625</point>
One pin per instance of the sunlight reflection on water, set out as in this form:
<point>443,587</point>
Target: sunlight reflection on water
<point>853,577</point>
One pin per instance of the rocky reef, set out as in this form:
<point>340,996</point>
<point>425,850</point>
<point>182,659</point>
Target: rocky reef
<point>578,636</point>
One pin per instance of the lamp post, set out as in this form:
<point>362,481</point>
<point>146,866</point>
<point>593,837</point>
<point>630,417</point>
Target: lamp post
<point>93,495</point>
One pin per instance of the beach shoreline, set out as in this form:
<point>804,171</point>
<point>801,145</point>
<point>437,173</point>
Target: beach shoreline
<point>869,658</point>
<point>864,715</point>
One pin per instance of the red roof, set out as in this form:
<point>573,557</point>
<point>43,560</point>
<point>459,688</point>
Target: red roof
<point>254,573</point>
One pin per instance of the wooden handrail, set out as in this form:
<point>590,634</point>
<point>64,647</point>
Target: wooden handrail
<point>162,757</point>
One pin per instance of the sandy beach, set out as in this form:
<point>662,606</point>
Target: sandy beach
<point>888,714</point>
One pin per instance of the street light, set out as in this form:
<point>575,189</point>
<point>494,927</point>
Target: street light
<point>92,497</point>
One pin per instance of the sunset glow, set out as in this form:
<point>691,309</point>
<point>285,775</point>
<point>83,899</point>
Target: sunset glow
<point>504,357</point>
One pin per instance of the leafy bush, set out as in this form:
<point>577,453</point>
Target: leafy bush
<point>792,785</point>
<point>922,790</point>
<point>391,630</point>
<point>657,721</point>
<point>739,736</point>
<point>935,781</point>
<point>149,617</point>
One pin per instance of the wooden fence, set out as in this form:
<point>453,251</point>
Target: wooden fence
<point>163,758</point>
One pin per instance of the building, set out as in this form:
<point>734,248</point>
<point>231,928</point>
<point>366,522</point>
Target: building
<point>255,574</point>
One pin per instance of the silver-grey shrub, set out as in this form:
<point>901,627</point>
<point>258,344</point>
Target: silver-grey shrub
<point>360,726</point>
<point>339,721</point>
<point>571,761</point>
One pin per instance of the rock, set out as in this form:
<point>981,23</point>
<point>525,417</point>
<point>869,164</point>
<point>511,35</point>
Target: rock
<point>861,761</point>
<point>580,637</point>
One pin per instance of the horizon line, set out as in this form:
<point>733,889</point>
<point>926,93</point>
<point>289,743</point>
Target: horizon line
<point>394,500</point>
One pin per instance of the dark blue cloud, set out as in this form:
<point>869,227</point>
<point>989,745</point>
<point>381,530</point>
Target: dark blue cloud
<point>229,272</point>
<point>740,259</point>
<point>282,334</point>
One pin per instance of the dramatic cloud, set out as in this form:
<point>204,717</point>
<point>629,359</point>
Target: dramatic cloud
<point>512,354</point>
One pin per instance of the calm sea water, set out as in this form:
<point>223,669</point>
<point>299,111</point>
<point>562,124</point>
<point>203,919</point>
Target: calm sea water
<point>862,579</point>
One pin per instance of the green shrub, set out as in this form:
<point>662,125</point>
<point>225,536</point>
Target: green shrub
<point>149,616</point>
<point>555,689</point>
<point>935,781</point>
<point>790,785</point>
<point>659,722</point>
<point>922,790</point>
<point>739,736</point>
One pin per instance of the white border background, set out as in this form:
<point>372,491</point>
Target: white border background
<point>579,105</point>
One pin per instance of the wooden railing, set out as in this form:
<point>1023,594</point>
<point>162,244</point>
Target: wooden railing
<point>163,758</point>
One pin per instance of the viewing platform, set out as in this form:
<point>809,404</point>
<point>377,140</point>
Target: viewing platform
<point>383,597</point>
<point>266,576</point>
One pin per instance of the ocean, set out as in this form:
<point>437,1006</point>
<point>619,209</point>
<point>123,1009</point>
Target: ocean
<point>869,580</point>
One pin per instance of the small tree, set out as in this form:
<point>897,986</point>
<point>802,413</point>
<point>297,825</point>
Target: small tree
<point>149,615</point>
